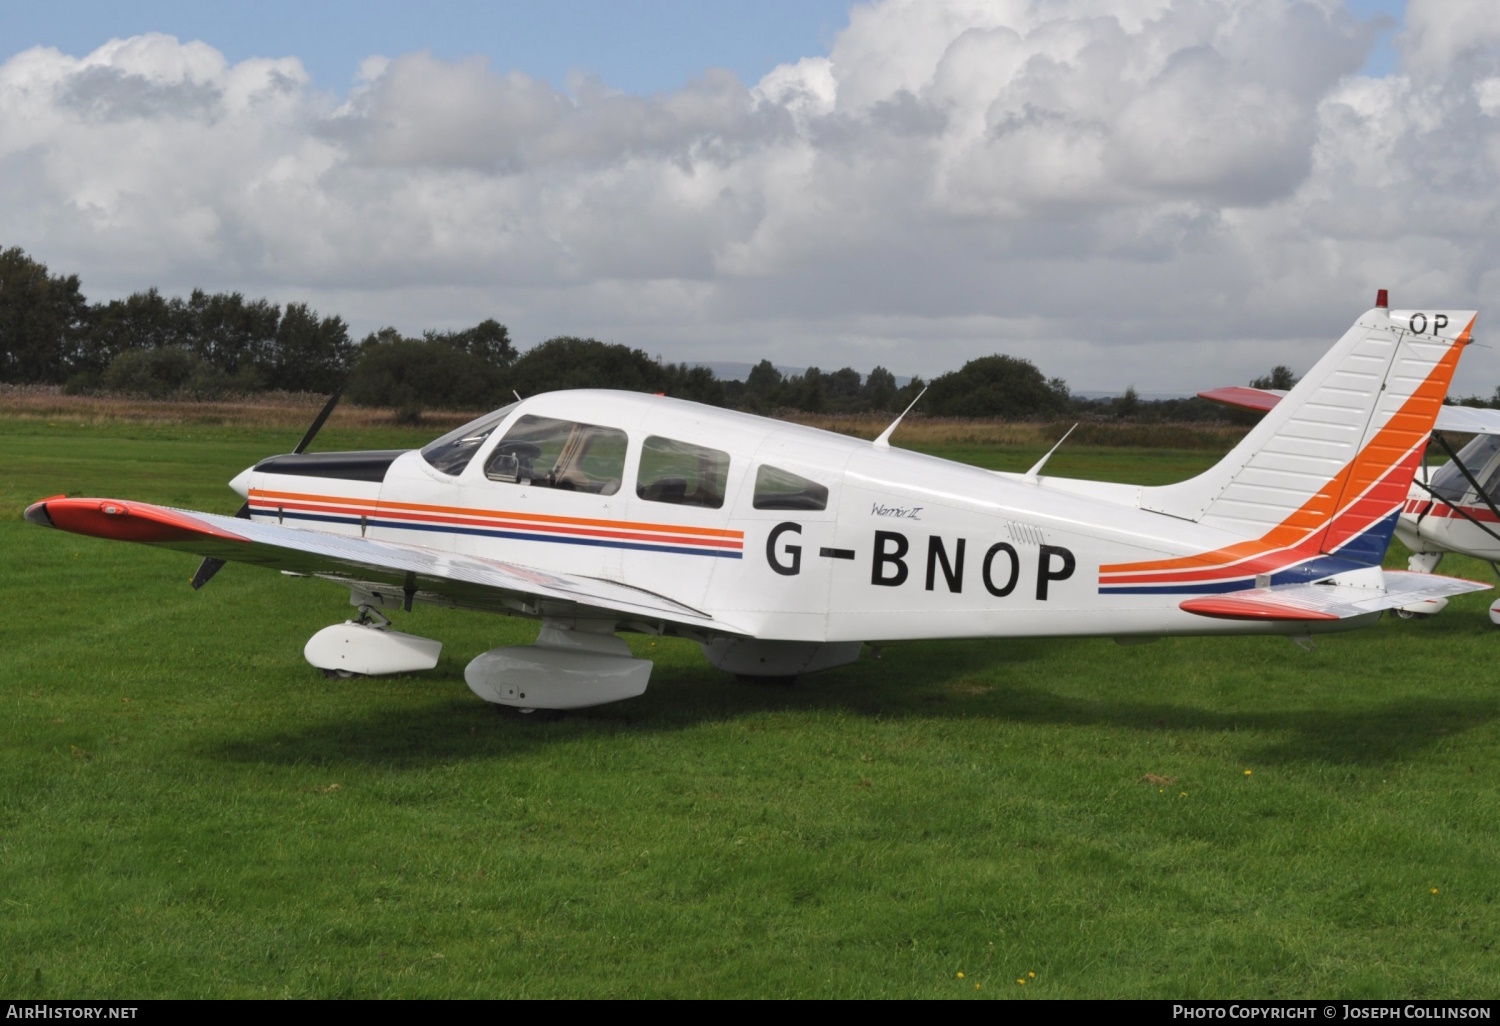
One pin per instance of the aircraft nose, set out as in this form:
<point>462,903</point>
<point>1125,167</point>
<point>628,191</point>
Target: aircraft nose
<point>241,483</point>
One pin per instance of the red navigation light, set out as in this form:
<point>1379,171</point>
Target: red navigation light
<point>1382,299</point>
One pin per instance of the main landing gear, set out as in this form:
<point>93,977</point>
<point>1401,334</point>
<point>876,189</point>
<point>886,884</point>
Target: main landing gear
<point>573,664</point>
<point>368,647</point>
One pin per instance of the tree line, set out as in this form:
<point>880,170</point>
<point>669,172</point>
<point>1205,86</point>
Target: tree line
<point>213,344</point>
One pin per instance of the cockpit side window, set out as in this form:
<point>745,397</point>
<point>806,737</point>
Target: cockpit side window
<point>682,473</point>
<point>781,489</point>
<point>452,452</point>
<point>1449,482</point>
<point>546,453</point>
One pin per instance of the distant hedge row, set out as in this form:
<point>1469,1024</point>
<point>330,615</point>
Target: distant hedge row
<point>209,345</point>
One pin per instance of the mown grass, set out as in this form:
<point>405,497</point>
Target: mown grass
<point>186,808</point>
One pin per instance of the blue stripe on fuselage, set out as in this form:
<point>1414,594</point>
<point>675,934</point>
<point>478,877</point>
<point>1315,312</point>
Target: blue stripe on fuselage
<point>492,533</point>
<point>1354,555</point>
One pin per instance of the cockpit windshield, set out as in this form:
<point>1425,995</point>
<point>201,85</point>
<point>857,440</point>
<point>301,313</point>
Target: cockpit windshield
<point>1479,456</point>
<point>452,453</point>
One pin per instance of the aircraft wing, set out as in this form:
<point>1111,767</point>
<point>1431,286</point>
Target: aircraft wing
<point>1465,420</point>
<point>1321,602</point>
<point>389,568</point>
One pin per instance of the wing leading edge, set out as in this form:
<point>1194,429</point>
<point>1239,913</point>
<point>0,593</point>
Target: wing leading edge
<point>470,582</point>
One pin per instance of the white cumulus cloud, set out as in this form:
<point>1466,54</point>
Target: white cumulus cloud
<point>1171,193</point>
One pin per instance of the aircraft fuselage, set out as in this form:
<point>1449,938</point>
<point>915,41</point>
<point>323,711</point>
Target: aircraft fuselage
<point>905,546</point>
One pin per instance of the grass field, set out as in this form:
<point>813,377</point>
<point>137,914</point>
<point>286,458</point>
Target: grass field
<point>188,809</point>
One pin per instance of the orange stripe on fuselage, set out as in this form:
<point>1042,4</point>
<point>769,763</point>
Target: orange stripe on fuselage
<point>395,518</point>
<point>344,501</point>
<point>1358,517</point>
<point>1405,430</point>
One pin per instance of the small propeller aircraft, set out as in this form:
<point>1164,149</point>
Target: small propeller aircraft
<point>783,550</point>
<point>1451,509</point>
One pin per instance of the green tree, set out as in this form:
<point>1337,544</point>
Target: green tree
<point>489,340</point>
<point>908,393</point>
<point>997,386</point>
<point>568,362</point>
<point>808,391</point>
<point>1280,378</point>
<point>694,382</point>
<point>763,386</point>
<point>842,389</point>
<point>310,355</point>
<point>142,320</point>
<point>229,332</point>
<point>411,375</point>
<point>166,372</point>
<point>43,320</point>
<point>880,389</point>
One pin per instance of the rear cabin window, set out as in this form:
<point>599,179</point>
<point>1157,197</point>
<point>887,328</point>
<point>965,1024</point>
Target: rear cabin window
<point>682,473</point>
<point>781,489</point>
<point>562,454</point>
<point>452,453</point>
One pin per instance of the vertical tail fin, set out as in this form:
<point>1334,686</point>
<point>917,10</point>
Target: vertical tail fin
<point>1326,471</point>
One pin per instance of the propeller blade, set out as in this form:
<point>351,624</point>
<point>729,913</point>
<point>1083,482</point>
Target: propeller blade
<point>206,571</point>
<point>210,565</point>
<point>317,425</point>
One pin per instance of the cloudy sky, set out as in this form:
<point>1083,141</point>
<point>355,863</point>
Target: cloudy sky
<point>1166,193</point>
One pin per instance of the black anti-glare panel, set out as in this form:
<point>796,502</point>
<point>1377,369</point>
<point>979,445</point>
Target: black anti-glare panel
<point>347,466</point>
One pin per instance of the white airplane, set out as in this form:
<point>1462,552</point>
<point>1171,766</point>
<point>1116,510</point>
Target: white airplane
<point>1455,508</point>
<point>784,550</point>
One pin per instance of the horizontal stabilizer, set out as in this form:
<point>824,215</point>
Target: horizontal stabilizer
<point>1463,420</point>
<point>1322,602</point>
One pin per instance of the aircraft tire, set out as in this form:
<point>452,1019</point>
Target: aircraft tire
<point>341,675</point>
